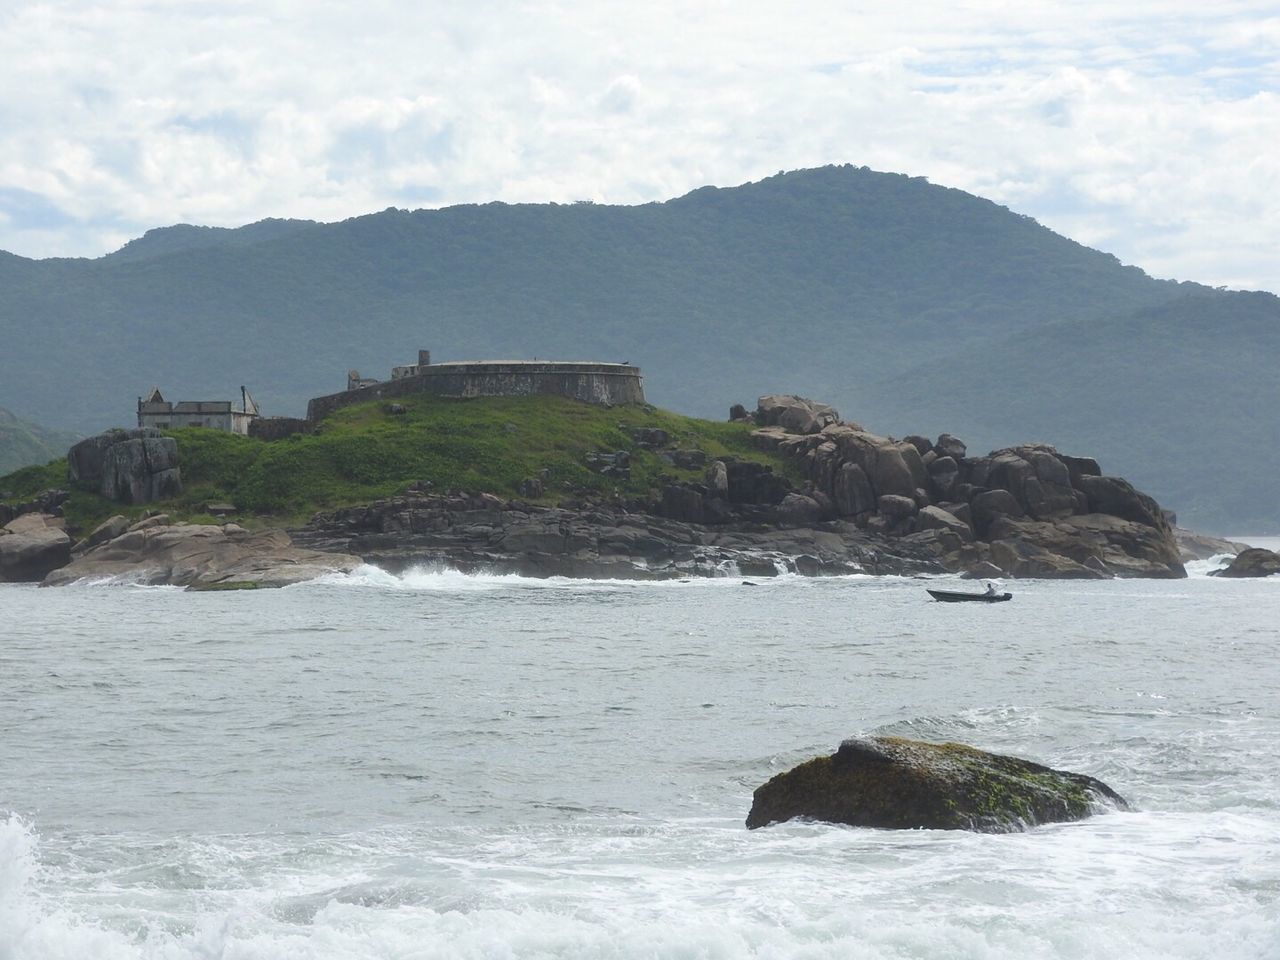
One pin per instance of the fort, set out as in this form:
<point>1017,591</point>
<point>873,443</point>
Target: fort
<point>607,384</point>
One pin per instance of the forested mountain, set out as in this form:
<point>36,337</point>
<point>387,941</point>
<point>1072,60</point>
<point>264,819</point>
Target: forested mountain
<point>912,307</point>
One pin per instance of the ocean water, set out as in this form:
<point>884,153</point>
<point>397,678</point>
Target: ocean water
<point>450,766</point>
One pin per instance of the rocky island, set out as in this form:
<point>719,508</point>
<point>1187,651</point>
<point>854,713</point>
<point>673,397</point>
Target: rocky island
<point>554,486</point>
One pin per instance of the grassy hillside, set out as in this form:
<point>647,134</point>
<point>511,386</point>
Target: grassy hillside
<point>23,443</point>
<point>363,453</point>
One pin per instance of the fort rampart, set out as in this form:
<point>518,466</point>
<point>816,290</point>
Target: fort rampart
<point>601,383</point>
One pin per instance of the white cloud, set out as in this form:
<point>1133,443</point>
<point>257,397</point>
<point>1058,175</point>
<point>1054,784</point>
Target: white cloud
<point>1147,128</point>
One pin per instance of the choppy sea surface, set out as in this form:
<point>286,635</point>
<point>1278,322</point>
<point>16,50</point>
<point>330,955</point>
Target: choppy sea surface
<point>450,766</point>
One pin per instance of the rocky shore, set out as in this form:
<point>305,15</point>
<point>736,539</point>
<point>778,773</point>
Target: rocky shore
<point>600,540</point>
<point>833,498</point>
<point>865,503</point>
<point>197,556</point>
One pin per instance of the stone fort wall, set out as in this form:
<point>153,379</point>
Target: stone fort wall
<point>600,383</point>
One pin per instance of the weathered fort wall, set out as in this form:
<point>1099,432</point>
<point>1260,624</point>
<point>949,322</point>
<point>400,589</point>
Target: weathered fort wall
<point>277,428</point>
<point>602,383</point>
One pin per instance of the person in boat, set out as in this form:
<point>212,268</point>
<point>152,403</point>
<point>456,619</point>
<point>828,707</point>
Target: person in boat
<point>991,589</point>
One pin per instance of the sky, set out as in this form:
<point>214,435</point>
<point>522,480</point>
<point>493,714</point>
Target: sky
<point>1148,128</point>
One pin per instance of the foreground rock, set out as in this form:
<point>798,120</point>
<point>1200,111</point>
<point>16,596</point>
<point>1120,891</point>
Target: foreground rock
<point>903,784</point>
<point>31,546</point>
<point>200,556</point>
<point>1253,562</point>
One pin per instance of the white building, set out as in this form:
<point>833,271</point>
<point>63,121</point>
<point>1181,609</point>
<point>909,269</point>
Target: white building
<point>156,411</point>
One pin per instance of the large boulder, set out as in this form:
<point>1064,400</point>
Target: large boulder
<point>1035,476</point>
<point>1117,497</point>
<point>1080,467</point>
<point>755,483</point>
<point>1023,558</point>
<point>896,507</point>
<point>914,462</point>
<point>989,505</point>
<point>794,414</point>
<point>936,518</point>
<point>879,457</point>
<point>682,502</point>
<point>85,458</point>
<point>129,466</point>
<point>718,479</point>
<point>109,529</point>
<point>895,783</point>
<point>949,446</point>
<point>1198,546</point>
<point>852,491</point>
<point>1048,493</point>
<point>31,546</point>
<point>797,510</point>
<point>202,557</point>
<point>944,473</point>
<point>1106,545</point>
<point>1254,562</point>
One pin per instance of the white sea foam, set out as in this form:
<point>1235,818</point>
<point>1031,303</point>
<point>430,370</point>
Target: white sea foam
<point>445,578</point>
<point>136,580</point>
<point>1204,568</point>
<point>687,890</point>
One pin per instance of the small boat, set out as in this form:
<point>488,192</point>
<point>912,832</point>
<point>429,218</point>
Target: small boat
<point>949,596</point>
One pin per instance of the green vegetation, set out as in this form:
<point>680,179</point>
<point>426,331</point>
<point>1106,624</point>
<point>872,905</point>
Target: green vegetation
<point>477,445</point>
<point>362,453</point>
<point>23,443</point>
<point>84,510</point>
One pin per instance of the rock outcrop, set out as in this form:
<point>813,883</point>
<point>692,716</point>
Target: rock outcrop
<point>794,414</point>
<point>864,503</point>
<point>894,783</point>
<point>1197,546</point>
<point>1028,510</point>
<point>128,466</point>
<point>154,551</point>
<point>1253,562</point>
<point>31,546</point>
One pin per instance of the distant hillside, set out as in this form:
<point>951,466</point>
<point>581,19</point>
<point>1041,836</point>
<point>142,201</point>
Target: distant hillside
<point>881,293</point>
<point>184,236</point>
<point>1179,391</point>
<point>23,443</point>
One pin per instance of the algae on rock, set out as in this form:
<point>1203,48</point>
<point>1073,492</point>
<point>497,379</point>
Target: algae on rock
<point>895,783</point>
